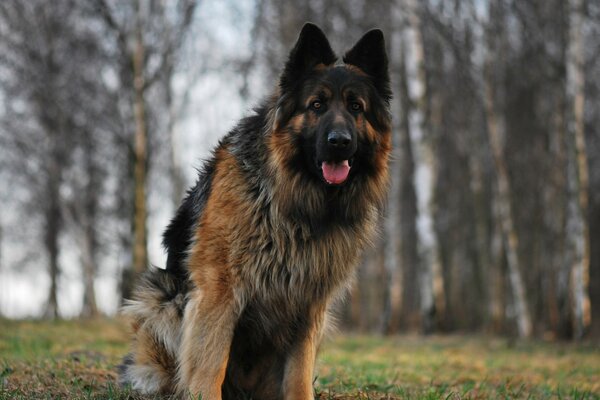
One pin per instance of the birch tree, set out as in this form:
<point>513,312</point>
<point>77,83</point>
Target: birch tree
<point>577,225</point>
<point>497,134</point>
<point>140,151</point>
<point>146,50</point>
<point>393,225</point>
<point>57,107</point>
<point>422,143</point>
<point>31,53</point>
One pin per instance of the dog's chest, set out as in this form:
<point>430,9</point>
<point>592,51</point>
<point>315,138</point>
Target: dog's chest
<point>285,263</point>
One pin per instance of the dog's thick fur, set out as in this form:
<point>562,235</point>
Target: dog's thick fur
<point>267,239</point>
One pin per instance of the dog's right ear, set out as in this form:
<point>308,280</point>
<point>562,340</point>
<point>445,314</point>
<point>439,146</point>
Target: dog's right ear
<point>312,48</point>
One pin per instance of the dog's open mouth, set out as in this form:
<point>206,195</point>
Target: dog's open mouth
<point>336,172</point>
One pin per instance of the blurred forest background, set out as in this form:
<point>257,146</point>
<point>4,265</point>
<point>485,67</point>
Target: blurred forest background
<point>493,221</point>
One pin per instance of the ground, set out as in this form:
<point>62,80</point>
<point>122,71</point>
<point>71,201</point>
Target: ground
<point>77,359</point>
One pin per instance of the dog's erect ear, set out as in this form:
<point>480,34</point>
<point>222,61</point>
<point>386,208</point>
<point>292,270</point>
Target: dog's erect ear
<point>312,48</point>
<point>370,56</point>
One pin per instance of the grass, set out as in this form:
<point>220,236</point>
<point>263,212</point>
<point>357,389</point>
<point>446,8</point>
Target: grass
<point>77,360</point>
<point>455,367</point>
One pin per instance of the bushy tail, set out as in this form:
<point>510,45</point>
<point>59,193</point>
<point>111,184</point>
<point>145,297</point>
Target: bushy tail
<point>155,311</point>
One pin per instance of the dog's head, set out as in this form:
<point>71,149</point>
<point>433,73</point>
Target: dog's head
<point>335,116</point>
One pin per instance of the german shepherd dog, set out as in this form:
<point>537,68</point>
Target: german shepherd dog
<point>268,238</point>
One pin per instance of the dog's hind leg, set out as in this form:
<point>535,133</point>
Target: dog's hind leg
<point>149,368</point>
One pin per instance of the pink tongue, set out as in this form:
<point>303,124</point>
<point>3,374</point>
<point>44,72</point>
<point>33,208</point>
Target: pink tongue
<point>335,172</point>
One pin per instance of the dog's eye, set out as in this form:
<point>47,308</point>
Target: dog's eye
<point>316,105</point>
<point>356,107</point>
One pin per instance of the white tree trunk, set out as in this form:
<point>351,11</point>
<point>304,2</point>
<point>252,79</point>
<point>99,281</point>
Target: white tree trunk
<point>393,229</point>
<point>495,41</point>
<point>504,209</point>
<point>577,229</point>
<point>140,252</point>
<point>392,247</point>
<point>431,287</point>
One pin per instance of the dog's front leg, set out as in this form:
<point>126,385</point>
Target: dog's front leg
<point>208,326</point>
<point>300,365</point>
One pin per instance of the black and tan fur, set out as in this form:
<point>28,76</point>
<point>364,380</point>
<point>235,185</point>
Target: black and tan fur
<point>262,245</point>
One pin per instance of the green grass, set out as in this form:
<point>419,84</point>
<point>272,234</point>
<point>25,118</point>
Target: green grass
<point>410,367</point>
<point>77,359</point>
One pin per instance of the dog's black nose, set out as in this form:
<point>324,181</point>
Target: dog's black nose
<point>339,139</point>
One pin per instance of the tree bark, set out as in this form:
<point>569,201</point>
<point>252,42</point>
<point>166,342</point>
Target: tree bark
<point>140,255</point>
<point>560,306</point>
<point>393,291</point>
<point>496,134</point>
<point>3,287</point>
<point>506,222</point>
<point>393,229</point>
<point>89,308</point>
<point>409,252</point>
<point>392,265</point>
<point>87,220</point>
<point>176,170</point>
<point>577,229</point>
<point>430,281</point>
<point>51,232</point>
<point>488,241</point>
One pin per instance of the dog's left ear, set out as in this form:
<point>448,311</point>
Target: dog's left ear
<point>370,56</point>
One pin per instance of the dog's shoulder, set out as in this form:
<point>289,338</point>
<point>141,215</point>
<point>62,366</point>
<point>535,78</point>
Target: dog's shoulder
<point>245,142</point>
<point>178,236</point>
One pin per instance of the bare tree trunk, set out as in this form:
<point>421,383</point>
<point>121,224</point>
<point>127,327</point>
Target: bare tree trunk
<point>507,225</point>
<point>140,256</point>
<point>80,217</point>
<point>176,171</point>
<point>560,308</point>
<point>488,242</point>
<point>51,234</point>
<point>87,221</point>
<point>176,108</point>
<point>394,282</point>
<point>505,214</point>
<point>167,22</point>
<point>577,229</point>
<point>496,305</point>
<point>393,229</point>
<point>3,287</point>
<point>421,139</point>
<point>409,252</point>
<point>90,308</point>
